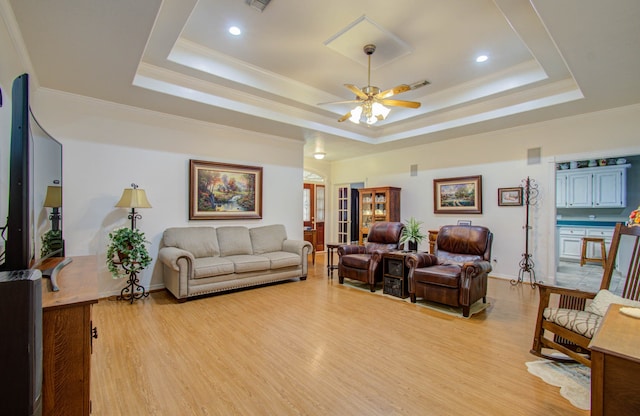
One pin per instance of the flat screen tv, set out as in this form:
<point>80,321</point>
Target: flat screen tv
<point>35,165</point>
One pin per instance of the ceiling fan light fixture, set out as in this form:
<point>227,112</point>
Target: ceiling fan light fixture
<point>319,155</point>
<point>380,111</point>
<point>355,115</point>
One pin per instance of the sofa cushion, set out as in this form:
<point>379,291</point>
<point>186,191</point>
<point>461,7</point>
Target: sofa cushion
<point>281,259</point>
<point>268,238</point>
<point>199,241</point>
<point>249,263</point>
<point>212,266</point>
<point>234,240</point>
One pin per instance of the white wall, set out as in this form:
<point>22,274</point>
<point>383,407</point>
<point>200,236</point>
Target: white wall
<point>106,147</point>
<point>501,158</point>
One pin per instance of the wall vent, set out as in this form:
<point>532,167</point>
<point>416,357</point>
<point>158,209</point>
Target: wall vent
<point>258,4</point>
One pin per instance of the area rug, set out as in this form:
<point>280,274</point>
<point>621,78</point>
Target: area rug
<point>573,379</point>
<point>446,309</point>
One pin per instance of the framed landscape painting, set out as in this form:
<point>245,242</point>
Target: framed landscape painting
<point>461,195</point>
<point>510,197</point>
<point>219,191</point>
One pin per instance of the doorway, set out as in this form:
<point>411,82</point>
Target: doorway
<point>313,213</point>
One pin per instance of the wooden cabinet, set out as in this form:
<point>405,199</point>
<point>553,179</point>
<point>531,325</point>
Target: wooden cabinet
<point>603,187</point>
<point>67,338</point>
<point>615,365</point>
<point>377,204</point>
<point>394,274</point>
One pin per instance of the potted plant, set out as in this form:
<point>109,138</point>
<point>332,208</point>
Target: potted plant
<point>411,234</point>
<point>127,252</point>
<point>51,241</point>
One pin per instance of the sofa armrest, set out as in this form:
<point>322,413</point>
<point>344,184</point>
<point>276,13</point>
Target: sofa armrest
<point>171,255</point>
<point>299,247</point>
<point>351,249</point>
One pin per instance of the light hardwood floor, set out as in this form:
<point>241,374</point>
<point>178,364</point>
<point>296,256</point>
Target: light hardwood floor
<point>315,347</point>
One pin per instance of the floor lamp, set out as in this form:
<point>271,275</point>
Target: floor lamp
<point>133,198</point>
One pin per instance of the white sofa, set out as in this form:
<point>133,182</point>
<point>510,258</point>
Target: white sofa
<point>201,260</point>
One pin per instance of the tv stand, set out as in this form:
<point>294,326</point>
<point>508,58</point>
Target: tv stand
<point>68,334</point>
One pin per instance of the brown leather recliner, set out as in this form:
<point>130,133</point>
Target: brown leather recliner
<point>361,262</point>
<point>456,274</point>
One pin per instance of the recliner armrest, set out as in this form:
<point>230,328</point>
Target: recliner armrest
<point>351,249</point>
<point>170,256</point>
<point>417,260</point>
<point>476,268</point>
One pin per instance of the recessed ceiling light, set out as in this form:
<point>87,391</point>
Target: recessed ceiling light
<point>482,58</point>
<point>235,30</point>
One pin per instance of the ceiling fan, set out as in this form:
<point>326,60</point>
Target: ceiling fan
<point>372,101</point>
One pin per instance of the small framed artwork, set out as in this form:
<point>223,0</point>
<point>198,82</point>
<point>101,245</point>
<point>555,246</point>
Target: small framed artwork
<point>221,191</point>
<point>464,222</point>
<point>510,197</point>
<point>461,195</point>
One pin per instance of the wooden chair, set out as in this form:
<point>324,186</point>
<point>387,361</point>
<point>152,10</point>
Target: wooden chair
<point>569,326</point>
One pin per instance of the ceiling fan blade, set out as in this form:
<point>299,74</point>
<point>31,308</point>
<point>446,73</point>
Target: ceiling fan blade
<point>341,102</point>
<point>344,117</point>
<point>357,91</point>
<point>393,91</point>
<point>400,103</point>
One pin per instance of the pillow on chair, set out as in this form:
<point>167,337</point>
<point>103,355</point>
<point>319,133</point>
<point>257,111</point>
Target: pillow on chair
<point>604,299</point>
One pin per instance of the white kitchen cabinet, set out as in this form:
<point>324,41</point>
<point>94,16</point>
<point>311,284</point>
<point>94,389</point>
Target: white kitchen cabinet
<point>602,187</point>
<point>580,190</point>
<point>609,188</point>
<point>570,242</point>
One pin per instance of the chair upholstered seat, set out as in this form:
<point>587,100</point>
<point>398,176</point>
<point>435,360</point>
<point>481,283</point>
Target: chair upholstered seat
<point>361,262</point>
<point>447,275</point>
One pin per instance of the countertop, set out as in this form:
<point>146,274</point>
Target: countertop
<point>586,223</point>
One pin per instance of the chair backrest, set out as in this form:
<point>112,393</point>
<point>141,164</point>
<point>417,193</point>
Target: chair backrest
<point>384,235</point>
<point>625,246</point>
<point>460,243</point>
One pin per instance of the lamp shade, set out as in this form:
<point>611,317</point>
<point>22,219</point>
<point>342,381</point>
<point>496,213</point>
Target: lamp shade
<point>133,198</point>
<point>53,199</point>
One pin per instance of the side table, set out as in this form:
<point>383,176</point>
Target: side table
<point>330,265</point>
<point>394,274</point>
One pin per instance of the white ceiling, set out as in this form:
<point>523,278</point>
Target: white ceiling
<point>547,59</point>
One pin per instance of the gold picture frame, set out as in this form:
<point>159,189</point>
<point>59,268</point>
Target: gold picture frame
<point>222,191</point>
<point>510,197</point>
<point>461,195</point>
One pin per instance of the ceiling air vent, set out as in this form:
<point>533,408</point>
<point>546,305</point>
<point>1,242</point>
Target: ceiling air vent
<point>258,4</point>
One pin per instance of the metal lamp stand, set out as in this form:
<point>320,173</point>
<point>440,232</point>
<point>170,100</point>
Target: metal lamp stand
<point>530,195</point>
<point>133,290</point>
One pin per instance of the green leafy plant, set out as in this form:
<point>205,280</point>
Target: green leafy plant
<point>411,232</point>
<point>127,252</point>
<point>51,241</point>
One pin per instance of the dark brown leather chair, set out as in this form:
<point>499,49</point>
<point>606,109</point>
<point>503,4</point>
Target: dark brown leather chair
<point>456,274</point>
<point>361,262</point>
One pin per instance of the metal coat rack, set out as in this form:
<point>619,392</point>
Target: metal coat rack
<point>530,197</point>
